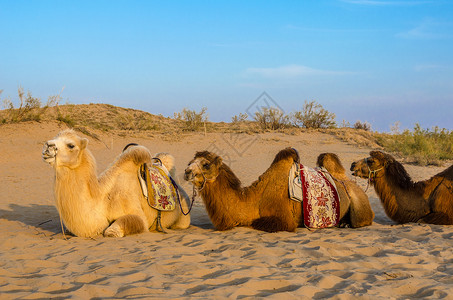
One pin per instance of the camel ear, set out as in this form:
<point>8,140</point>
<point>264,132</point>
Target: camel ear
<point>83,143</point>
<point>384,158</point>
<point>218,161</point>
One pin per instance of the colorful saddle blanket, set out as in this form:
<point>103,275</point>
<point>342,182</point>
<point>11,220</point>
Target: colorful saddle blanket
<point>316,190</point>
<point>157,187</point>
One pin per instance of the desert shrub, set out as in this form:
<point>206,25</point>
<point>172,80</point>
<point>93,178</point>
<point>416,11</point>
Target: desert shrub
<point>271,118</point>
<point>364,126</point>
<point>192,120</point>
<point>239,118</point>
<point>423,146</point>
<point>29,108</point>
<point>313,115</point>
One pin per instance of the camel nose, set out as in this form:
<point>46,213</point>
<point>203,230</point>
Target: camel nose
<point>49,146</point>
<point>188,175</point>
<point>353,166</point>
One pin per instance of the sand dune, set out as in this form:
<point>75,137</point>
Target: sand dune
<point>382,261</point>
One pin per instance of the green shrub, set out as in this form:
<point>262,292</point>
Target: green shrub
<point>423,146</point>
<point>313,115</point>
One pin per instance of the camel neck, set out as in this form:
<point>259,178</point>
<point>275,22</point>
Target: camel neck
<point>402,204</point>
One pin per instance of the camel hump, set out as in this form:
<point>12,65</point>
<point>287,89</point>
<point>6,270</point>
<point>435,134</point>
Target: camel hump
<point>286,154</point>
<point>168,161</point>
<point>331,162</point>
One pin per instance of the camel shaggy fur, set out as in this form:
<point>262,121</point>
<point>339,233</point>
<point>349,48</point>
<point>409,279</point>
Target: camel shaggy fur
<point>113,203</point>
<point>264,205</point>
<point>428,201</point>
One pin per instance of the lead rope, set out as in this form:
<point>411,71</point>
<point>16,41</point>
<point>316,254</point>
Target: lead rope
<point>178,195</point>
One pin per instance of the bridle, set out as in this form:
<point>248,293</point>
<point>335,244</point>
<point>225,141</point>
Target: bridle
<point>371,173</point>
<point>204,178</point>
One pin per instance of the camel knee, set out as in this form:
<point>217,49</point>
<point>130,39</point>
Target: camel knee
<point>183,222</point>
<point>125,225</point>
<point>273,224</point>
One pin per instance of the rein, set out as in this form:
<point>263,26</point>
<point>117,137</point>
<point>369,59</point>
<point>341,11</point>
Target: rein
<point>179,197</point>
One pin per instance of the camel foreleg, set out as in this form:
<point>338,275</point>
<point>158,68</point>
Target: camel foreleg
<point>274,224</point>
<point>437,218</point>
<point>125,225</point>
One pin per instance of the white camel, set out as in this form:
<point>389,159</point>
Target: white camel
<point>113,203</point>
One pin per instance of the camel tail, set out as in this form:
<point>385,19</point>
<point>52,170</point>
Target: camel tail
<point>287,153</point>
<point>271,224</point>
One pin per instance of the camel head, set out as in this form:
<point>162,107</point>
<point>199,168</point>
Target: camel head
<point>371,166</point>
<point>64,150</point>
<point>203,168</point>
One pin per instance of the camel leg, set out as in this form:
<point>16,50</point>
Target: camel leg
<point>437,218</point>
<point>274,224</point>
<point>275,219</point>
<point>360,212</point>
<point>125,225</point>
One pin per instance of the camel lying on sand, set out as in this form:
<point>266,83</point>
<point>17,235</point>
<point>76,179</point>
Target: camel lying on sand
<point>265,204</point>
<point>428,201</point>
<point>113,203</point>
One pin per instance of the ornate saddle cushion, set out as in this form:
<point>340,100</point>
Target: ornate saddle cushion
<point>318,193</point>
<point>157,187</point>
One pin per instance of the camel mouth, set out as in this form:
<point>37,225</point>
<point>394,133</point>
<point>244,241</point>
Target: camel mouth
<point>48,158</point>
<point>189,177</point>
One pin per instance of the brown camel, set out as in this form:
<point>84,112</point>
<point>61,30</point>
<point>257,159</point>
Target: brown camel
<point>264,205</point>
<point>429,201</point>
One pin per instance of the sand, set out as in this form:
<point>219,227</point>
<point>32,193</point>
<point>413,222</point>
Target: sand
<point>382,261</point>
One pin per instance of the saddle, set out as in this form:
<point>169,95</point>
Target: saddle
<point>158,187</point>
<point>316,190</point>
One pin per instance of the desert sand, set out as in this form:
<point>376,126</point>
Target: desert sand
<point>382,261</point>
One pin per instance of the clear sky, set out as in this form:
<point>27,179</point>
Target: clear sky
<point>377,61</point>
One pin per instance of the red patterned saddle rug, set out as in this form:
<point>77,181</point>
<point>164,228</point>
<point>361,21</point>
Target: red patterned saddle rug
<point>318,193</point>
<point>157,187</point>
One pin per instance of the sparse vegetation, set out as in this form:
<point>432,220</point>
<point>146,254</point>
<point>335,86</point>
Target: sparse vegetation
<point>193,120</point>
<point>422,146</point>
<point>271,118</point>
<point>364,126</point>
<point>313,115</point>
<point>29,108</point>
<point>239,118</point>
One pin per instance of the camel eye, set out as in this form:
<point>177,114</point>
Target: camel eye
<point>71,146</point>
<point>205,166</point>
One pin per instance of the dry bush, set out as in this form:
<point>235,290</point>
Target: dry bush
<point>241,118</point>
<point>364,126</point>
<point>271,118</point>
<point>193,120</point>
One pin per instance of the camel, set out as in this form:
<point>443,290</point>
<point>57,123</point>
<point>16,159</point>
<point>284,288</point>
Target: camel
<point>264,205</point>
<point>111,204</point>
<point>429,201</point>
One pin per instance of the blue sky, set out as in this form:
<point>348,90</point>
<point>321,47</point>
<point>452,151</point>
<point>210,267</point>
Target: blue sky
<point>369,60</point>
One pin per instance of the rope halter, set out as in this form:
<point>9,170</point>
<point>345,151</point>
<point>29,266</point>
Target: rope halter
<point>371,173</point>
